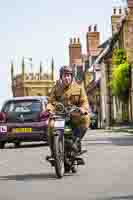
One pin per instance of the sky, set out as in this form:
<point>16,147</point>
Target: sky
<point>41,29</point>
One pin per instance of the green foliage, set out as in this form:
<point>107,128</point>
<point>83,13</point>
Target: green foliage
<point>119,57</point>
<point>125,116</point>
<point>120,76</point>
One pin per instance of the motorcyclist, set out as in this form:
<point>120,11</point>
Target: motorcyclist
<point>69,92</point>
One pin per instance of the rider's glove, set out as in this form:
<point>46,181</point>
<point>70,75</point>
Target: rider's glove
<point>83,111</point>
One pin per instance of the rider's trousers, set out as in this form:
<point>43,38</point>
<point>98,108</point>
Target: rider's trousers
<point>80,124</point>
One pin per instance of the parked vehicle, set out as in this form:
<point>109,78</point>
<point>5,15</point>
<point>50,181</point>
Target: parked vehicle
<point>93,121</point>
<point>21,119</point>
<point>64,153</point>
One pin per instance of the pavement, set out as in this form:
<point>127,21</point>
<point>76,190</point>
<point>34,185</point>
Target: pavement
<point>122,128</point>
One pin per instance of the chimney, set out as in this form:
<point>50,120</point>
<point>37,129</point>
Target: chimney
<point>75,50</point>
<point>115,18</point>
<point>93,41</point>
<point>130,3</point>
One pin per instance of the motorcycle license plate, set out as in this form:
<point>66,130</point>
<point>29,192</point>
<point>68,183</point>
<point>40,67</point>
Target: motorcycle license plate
<point>59,124</point>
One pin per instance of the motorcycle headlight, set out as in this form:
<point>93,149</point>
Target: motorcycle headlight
<point>59,108</point>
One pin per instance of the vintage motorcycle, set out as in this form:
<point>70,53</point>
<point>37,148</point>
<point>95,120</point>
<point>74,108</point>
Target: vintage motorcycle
<point>63,146</point>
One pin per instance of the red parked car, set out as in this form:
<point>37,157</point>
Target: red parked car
<point>22,119</point>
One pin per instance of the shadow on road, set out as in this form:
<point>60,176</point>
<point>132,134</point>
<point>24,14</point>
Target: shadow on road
<point>30,177</point>
<point>127,197</point>
<point>25,177</point>
<point>29,145</point>
<point>121,141</point>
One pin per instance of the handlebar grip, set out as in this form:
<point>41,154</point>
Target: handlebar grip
<point>85,113</point>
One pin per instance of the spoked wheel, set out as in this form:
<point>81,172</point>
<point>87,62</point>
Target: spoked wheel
<point>58,154</point>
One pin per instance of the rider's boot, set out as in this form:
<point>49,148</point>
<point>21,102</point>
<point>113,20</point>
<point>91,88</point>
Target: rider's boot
<point>67,168</point>
<point>82,133</point>
<point>73,169</point>
<point>50,158</point>
<point>80,161</point>
<point>77,146</point>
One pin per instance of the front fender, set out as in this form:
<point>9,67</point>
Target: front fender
<point>55,126</point>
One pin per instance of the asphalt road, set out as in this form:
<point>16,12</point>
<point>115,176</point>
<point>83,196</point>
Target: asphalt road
<point>107,175</point>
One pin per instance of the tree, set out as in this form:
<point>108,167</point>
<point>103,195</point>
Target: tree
<point>119,57</point>
<point>120,77</point>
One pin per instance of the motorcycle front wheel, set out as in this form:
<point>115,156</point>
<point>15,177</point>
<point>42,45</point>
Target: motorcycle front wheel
<point>58,154</point>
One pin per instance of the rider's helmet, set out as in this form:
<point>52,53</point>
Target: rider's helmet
<point>66,69</point>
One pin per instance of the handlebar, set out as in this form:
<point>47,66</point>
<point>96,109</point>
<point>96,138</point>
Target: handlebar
<point>61,109</point>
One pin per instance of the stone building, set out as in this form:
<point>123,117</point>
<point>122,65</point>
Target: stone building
<point>32,84</point>
<point>97,67</point>
<point>122,37</point>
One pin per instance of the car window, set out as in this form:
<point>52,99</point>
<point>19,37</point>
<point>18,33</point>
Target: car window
<point>23,106</point>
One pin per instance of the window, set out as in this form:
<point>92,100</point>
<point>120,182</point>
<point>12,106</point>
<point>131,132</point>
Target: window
<point>23,106</point>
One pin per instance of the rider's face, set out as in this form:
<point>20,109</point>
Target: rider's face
<point>66,79</point>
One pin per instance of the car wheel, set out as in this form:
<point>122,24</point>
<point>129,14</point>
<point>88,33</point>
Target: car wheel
<point>17,144</point>
<point>2,145</point>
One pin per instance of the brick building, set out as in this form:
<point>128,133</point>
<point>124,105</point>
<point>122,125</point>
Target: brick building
<point>82,64</point>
